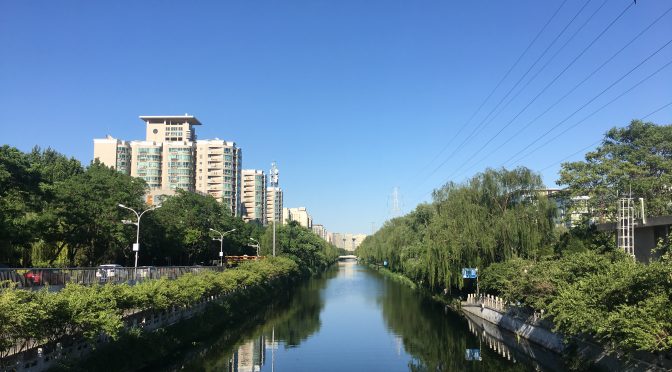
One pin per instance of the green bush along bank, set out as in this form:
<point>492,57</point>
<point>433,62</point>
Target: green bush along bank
<point>37,317</point>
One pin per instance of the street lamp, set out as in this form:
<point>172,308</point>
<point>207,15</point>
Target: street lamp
<point>258,245</point>
<point>221,244</point>
<point>136,246</point>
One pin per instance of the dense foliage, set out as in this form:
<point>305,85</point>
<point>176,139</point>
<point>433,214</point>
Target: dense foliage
<point>43,316</point>
<point>496,215</point>
<point>607,296</point>
<point>300,244</point>
<point>55,212</point>
<point>637,159</point>
<point>498,223</point>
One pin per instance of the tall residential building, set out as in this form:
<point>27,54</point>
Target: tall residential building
<point>274,204</point>
<point>254,195</point>
<point>171,158</point>
<point>147,163</point>
<point>320,231</point>
<point>113,153</point>
<point>299,215</point>
<point>218,172</point>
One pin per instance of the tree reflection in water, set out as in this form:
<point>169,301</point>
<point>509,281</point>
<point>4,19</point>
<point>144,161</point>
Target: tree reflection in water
<point>436,337</point>
<point>290,320</point>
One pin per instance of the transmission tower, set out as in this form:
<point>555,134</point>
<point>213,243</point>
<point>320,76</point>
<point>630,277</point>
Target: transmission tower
<point>395,207</point>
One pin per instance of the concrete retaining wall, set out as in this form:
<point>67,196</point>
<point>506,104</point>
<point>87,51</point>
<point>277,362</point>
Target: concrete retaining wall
<point>536,334</point>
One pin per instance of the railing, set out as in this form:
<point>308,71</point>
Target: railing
<point>489,301</point>
<point>39,277</point>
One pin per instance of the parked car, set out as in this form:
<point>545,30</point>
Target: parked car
<point>45,276</point>
<point>111,272</point>
<point>148,272</point>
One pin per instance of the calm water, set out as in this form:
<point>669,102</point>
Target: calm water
<point>354,319</point>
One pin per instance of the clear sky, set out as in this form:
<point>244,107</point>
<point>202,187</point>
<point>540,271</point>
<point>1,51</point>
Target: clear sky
<point>351,98</point>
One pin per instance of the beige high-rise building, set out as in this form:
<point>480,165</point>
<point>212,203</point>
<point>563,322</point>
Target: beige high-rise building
<point>254,195</point>
<point>320,231</point>
<point>113,153</point>
<point>299,215</point>
<point>274,204</point>
<point>218,172</point>
<point>171,158</point>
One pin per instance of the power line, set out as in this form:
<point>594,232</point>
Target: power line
<point>550,83</point>
<point>581,83</point>
<point>527,125</point>
<point>481,124</point>
<point>656,111</point>
<point>598,141</point>
<point>506,75</point>
<point>587,117</point>
<point>576,32</point>
<point>570,155</point>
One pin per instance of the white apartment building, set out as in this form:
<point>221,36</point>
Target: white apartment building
<point>274,203</point>
<point>320,231</point>
<point>254,195</point>
<point>299,215</point>
<point>218,172</point>
<point>170,158</point>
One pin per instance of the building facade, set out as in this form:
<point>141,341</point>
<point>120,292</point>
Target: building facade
<point>254,195</point>
<point>274,204</point>
<point>299,215</point>
<point>320,231</point>
<point>171,158</point>
<point>218,172</point>
<point>113,152</point>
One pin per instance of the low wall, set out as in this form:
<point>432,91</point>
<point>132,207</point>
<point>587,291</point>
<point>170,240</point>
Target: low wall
<point>47,356</point>
<point>538,335</point>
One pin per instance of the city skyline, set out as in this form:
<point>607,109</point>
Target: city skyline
<point>351,100</point>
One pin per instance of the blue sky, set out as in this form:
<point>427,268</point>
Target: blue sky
<point>351,98</point>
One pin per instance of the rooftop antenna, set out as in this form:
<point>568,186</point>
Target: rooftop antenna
<point>274,175</point>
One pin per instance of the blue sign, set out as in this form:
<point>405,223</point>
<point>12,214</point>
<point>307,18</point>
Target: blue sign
<point>472,354</point>
<point>468,273</point>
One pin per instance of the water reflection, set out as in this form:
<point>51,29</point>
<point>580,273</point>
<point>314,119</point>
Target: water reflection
<point>354,319</point>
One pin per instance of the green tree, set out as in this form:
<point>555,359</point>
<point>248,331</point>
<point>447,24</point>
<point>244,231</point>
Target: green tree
<point>637,157</point>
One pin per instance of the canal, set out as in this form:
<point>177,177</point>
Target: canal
<point>354,319</point>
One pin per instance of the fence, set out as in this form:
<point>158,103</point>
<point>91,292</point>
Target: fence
<point>39,277</point>
<point>492,302</point>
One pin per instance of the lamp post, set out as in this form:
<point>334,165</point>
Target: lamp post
<point>258,245</point>
<point>221,244</point>
<point>136,246</point>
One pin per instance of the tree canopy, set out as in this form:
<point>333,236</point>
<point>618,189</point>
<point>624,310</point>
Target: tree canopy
<point>636,158</point>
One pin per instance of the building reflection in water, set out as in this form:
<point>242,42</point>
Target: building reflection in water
<point>249,357</point>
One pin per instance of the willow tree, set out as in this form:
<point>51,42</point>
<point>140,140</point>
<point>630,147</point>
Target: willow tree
<point>495,215</point>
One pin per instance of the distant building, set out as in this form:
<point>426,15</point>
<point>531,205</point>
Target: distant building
<point>320,231</point>
<point>299,215</point>
<point>274,204</point>
<point>254,195</point>
<point>347,241</point>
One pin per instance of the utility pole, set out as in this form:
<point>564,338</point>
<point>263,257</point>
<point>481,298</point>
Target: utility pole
<point>221,244</point>
<point>274,174</point>
<point>136,246</point>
